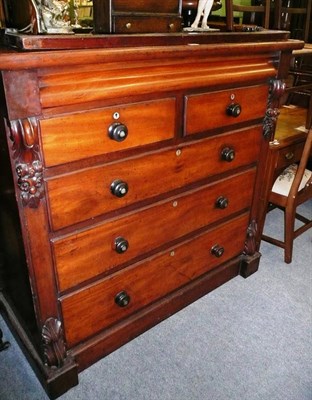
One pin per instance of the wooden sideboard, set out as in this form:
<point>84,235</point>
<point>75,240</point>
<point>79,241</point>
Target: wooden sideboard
<point>131,169</point>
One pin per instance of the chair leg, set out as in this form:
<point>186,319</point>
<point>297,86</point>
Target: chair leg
<point>289,228</point>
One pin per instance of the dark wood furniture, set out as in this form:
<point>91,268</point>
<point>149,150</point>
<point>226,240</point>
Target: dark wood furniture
<point>235,6</point>
<point>131,176</point>
<point>123,16</point>
<point>294,16</point>
<point>284,150</point>
<point>293,187</point>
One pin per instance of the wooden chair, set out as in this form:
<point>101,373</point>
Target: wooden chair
<point>285,15</point>
<point>263,9</point>
<point>292,188</point>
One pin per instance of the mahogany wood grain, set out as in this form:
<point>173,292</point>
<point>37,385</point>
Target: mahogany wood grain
<point>208,110</point>
<point>87,254</point>
<point>90,310</point>
<point>121,54</point>
<point>85,194</point>
<point>86,134</point>
<point>77,87</point>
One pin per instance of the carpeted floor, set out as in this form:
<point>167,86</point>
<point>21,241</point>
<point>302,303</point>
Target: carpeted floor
<point>248,340</point>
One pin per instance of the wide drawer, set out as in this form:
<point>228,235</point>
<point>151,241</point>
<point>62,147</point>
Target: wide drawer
<point>146,24</point>
<point>88,193</point>
<point>94,308</point>
<point>228,107</point>
<point>86,254</point>
<point>77,136</point>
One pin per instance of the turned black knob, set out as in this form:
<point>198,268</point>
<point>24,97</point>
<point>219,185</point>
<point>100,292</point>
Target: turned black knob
<point>118,131</point>
<point>228,154</point>
<point>122,299</point>
<point>222,202</point>
<point>119,188</point>
<point>217,250</point>
<point>121,245</point>
<point>234,110</point>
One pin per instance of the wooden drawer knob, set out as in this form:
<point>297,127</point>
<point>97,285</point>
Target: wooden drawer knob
<point>119,188</point>
<point>234,110</point>
<point>122,299</point>
<point>121,245</point>
<point>118,131</point>
<point>228,154</point>
<point>217,250</point>
<point>222,202</point>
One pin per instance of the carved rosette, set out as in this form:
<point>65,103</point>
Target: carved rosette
<point>53,343</point>
<point>29,168</point>
<point>277,89</point>
<point>250,243</point>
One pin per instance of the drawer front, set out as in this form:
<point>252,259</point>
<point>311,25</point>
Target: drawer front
<point>85,194</point>
<point>146,24</point>
<point>218,109</point>
<point>289,155</point>
<point>87,254</point>
<point>147,6</point>
<point>74,137</point>
<point>90,310</point>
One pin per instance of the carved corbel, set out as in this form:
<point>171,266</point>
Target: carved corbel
<point>277,89</point>
<point>250,243</point>
<point>53,343</point>
<point>251,258</point>
<point>26,154</point>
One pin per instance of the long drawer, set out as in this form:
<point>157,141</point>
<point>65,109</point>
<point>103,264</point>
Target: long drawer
<point>84,255</point>
<point>211,110</point>
<point>100,305</point>
<point>77,136</point>
<point>146,24</point>
<point>86,194</point>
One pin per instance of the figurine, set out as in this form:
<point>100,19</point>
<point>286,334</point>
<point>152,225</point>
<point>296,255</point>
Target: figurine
<point>204,6</point>
<point>52,16</point>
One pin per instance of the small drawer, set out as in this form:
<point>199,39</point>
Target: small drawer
<point>77,136</point>
<point>85,194</point>
<point>146,24</point>
<point>86,254</point>
<point>289,155</point>
<point>229,107</point>
<point>147,6</point>
<point>100,305</point>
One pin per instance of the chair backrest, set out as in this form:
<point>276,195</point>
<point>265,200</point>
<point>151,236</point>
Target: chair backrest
<point>232,6</point>
<point>285,14</point>
<point>301,169</point>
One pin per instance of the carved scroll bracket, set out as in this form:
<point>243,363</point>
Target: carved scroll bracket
<point>251,258</point>
<point>53,343</point>
<point>29,168</point>
<point>277,89</point>
<point>250,243</point>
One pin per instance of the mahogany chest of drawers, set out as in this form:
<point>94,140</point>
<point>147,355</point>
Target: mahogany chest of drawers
<point>130,180</point>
